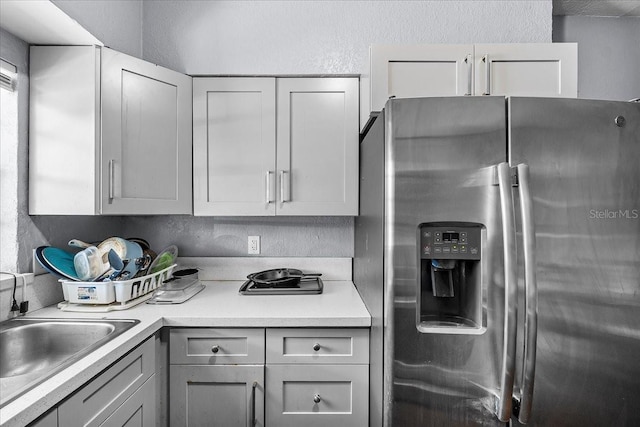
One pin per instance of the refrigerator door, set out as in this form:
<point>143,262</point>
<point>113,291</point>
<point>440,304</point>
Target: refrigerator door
<point>585,183</point>
<point>440,167</point>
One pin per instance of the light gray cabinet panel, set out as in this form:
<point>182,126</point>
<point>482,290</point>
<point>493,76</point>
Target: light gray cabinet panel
<point>234,148</point>
<point>419,70</point>
<point>64,125</point>
<point>530,69</point>
<point>317,146</point>
<point>217,396</point>
<point>216,346</point>
<point>318,395</point>
<point>146,137</point>
<point>96,401</point>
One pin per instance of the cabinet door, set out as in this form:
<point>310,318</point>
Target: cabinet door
<point>318,395</point>
<point>538,69</point>
<point>146,137</point>
<point>317,146</point>
<point>419,70</point>
<point>234,146</point>
<point>97,400</point>
<point>216,396</point>
<point>137,411</point>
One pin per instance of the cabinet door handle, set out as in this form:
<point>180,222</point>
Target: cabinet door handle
<point>253,403</point>
<point>111,178</point>
<point>487,74</point>
<point>317,398</point>
<point>316,347</point>
<point>269,184</point>
<point>215,349</point>
<point>285,196</point>
<point>469,63</point>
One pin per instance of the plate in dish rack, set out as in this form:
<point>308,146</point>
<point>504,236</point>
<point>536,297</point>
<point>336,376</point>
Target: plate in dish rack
<point>57,262</point>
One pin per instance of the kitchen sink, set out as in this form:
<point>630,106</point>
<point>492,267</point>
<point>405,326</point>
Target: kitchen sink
<point>32,350</point>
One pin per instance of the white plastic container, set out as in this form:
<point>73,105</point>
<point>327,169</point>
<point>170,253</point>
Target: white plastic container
<point>89,292</point>
<point>122,292</point>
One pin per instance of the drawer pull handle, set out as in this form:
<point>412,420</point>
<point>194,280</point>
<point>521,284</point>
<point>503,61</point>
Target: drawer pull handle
<point>317,398</point>
<point>215,349</point>
<point>316,347</point>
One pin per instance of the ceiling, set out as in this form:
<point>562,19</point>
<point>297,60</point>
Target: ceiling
<point>618,8</point>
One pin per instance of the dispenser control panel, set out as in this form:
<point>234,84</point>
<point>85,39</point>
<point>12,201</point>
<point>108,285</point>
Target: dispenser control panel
<point>444,241</point>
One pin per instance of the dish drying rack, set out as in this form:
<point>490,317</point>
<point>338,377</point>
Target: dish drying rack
<point>109,296</point>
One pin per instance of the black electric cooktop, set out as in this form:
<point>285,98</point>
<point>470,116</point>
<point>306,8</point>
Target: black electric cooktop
<point>310,285</point>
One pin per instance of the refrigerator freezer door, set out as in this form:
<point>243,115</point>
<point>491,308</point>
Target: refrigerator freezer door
<point>440,164</point>
<point>585,181</point>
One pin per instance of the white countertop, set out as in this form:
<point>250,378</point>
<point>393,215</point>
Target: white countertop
<point>218,305</point>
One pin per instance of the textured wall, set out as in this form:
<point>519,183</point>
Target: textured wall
<point>608,54</point>
<point>116,23</point>
<point>273,37</point>
<point>227,236</point>
<point>13,155</point>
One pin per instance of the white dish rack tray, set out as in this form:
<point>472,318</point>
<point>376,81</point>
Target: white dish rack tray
<point>108,296</point>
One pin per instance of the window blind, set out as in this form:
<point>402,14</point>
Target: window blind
<point>8,73</point>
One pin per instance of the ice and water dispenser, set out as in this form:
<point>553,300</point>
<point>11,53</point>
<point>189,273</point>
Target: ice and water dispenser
<point>450,290</point>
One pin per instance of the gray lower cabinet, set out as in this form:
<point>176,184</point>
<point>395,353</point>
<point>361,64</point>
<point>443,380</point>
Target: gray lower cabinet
<point>221,395</point>
<point>317,377</point>
<point>123,395</point>
<point>274,377</point>
<point>216,377</point>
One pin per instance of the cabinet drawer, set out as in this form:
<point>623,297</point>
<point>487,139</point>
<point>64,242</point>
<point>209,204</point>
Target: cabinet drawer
<point>207,346</point>
<point>96,401</point>
<point>325,395</point>
<point>320,346</point>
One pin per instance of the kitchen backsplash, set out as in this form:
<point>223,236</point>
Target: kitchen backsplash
<point>43,291</point>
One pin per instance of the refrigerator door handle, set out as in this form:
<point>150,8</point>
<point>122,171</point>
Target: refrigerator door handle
<point>508,364</point>
<point>531,295</point>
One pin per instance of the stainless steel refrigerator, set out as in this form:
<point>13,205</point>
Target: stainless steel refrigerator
<point>498,251</point>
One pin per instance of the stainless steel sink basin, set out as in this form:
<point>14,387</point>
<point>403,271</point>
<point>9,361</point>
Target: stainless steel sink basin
<point>32,350</point>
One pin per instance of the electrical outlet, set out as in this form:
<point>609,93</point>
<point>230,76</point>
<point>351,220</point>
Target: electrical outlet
<point>253,245</point>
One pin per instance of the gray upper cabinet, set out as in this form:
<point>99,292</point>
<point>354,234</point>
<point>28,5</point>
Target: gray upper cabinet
<point>234,145</point>
<point>275,146</point>
<point>518,69</point>
<point>109,134</point>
